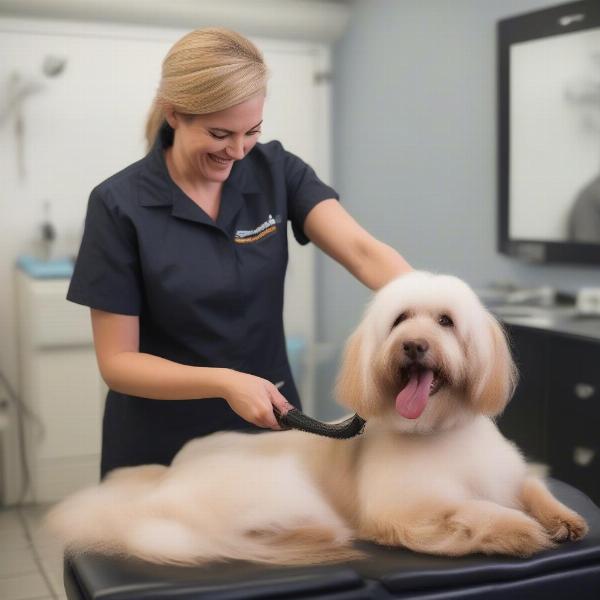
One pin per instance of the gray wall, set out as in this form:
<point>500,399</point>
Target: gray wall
<point>414,138</point>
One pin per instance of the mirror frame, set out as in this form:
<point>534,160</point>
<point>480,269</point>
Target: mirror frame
<point>557,20</point>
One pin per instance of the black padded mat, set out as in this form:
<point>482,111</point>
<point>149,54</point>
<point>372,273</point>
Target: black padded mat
<point>386,573</point>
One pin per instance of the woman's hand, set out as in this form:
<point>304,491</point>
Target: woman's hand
<point>253,398</point>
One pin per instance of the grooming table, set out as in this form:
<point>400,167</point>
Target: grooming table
<point>570,571</point>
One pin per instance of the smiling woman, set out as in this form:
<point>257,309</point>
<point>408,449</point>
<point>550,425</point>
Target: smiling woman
<point>184,256</point>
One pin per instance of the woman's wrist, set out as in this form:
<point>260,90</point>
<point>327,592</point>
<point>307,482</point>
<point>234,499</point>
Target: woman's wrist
<point>219,381</point>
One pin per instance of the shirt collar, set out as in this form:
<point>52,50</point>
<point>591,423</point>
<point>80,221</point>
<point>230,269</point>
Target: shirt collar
<point>158,189</point>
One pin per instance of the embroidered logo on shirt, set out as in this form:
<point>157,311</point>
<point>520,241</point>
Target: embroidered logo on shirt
<point>246,236</point>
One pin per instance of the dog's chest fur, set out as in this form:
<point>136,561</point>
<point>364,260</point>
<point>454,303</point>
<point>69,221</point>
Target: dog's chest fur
<point>474,461</point>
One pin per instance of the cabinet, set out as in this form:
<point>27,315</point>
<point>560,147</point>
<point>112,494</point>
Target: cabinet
<point>61,390</point>
<point>554,416</point>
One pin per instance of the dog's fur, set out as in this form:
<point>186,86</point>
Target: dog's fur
<point>445,482</point>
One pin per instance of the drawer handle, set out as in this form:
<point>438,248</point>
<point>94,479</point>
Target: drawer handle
<point>583,456</point>
<point>584,390</point>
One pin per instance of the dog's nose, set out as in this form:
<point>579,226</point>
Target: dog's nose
<point>415,348</point>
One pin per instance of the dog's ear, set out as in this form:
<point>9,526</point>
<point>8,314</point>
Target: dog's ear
<point>353,386</point>
<point>493,374</point>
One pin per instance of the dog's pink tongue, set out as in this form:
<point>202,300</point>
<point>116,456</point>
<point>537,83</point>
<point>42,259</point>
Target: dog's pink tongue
<point>411,401</point>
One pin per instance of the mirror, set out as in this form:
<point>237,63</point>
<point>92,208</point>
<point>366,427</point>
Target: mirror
<point>549,134</point>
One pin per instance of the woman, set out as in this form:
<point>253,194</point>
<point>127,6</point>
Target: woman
<point>183,259</point>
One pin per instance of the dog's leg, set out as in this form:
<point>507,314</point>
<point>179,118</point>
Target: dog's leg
<point>458,528</point>
<point>561,522</point>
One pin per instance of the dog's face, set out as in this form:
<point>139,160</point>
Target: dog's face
<point>426,356</point>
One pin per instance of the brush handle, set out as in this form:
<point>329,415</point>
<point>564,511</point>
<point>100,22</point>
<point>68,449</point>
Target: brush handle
<point>296,419</point>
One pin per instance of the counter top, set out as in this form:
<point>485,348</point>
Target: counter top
<point>559,319</point>
<point>58,268</point>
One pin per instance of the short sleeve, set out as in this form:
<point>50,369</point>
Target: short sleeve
<point>304,191</point>
<point>107,271</point>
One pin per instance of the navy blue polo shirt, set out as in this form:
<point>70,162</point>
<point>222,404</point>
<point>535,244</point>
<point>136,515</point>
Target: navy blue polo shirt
<point>207,293</point>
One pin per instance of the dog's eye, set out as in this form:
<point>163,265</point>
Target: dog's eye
<point>399,320</point>
<point>445,321</point>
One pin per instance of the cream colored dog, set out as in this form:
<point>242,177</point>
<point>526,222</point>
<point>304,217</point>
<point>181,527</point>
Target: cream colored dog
<point>429,368</point>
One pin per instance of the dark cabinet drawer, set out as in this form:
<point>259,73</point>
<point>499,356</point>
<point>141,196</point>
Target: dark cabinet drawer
<point>574,382</point>
<point>573,409</point>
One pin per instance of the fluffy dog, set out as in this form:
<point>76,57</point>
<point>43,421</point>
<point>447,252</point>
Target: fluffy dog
<point>429,368</point>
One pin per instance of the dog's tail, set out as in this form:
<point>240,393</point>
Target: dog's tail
<point>97,518</point>
<point>118,517</point>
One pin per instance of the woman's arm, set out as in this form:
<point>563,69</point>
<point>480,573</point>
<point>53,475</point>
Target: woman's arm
<point>335,232</point>
<point>127,370</point>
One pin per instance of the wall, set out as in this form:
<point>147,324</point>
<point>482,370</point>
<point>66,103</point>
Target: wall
<point>415,147</point>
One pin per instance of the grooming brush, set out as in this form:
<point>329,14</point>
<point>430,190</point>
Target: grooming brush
<point>296,419</point>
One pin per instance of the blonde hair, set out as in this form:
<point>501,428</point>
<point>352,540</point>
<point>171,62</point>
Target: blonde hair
<point>207,70</point>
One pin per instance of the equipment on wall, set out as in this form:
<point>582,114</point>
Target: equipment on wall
<point>17,91</point>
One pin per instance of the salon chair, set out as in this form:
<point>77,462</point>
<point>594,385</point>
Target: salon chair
<point>570,571</point>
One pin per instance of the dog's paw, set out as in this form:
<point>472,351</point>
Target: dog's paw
<point>566,526</point>
<point>531,539</point>
<point>517,536</point>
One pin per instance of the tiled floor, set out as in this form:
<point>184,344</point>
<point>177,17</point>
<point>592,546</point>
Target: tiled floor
<point>30,560</point>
